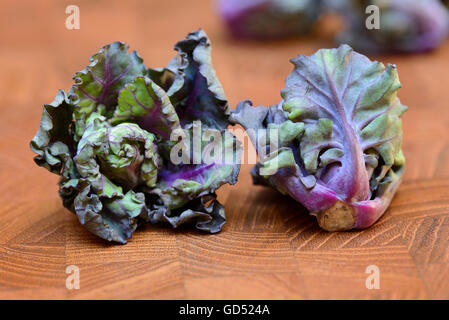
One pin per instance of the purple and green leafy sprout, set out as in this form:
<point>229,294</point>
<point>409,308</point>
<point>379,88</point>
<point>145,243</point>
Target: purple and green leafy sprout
<point>110,138</point>
<point>338,148</point>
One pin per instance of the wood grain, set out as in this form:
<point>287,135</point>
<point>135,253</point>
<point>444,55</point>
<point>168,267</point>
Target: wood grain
<point>270,247</point>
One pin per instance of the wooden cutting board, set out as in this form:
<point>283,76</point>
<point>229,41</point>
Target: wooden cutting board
<point>270,248</point>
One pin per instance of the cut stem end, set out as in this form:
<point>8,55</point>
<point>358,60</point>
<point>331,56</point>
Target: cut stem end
<point>339,217</point>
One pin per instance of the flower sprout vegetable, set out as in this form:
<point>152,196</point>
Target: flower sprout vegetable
<point>404,25</point>
<point>337,139</point>
<point>261,19</point>
<point>115,136</point>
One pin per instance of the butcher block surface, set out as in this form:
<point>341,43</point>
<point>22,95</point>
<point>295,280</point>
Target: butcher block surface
<point>270,248</point>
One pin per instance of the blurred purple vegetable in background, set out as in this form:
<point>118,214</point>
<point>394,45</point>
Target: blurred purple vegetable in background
<point>405,25</point>
<point>262,19</point>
